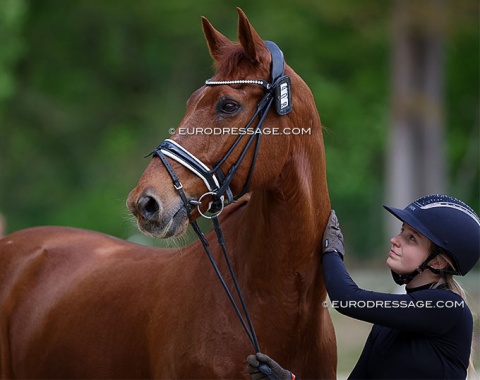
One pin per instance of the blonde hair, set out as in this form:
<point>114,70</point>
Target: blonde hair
<point>454,286</point>
<point>448,278</point>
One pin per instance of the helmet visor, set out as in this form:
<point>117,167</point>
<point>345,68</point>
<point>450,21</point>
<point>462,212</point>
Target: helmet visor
<point>407,217</point>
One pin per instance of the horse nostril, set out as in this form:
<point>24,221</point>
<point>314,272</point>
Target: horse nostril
<point>148,207</point>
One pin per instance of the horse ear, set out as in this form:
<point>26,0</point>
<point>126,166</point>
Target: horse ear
<point>249,38</point>
<point>216,41</point>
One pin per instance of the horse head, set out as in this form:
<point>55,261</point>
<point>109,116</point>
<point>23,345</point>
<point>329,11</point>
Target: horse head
<point>249,97</point>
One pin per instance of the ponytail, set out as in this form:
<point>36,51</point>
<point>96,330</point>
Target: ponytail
<point>453,285</point>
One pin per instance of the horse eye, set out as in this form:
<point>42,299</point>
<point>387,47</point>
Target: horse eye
<point>228,106</point>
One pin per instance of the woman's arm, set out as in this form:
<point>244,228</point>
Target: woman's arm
<point>422,311</point>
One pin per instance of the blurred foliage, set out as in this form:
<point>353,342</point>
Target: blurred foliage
<point>88,87</point>
<point>11,26</point>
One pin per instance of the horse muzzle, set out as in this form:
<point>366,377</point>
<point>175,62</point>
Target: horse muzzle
<point>154,219</point>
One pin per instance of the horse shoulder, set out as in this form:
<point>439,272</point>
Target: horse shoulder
<point>66,287</point>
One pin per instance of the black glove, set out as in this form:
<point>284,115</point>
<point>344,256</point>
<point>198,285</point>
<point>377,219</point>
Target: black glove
<point>332,237</point>
<point>275,372</point>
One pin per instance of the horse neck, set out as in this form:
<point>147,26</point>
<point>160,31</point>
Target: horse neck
<point>281,231</point>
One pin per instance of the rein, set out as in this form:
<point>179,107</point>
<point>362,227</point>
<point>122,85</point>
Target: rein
<point>218,184</point>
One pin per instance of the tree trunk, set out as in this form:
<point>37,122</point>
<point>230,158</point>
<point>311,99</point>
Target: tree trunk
<point>416,152</point>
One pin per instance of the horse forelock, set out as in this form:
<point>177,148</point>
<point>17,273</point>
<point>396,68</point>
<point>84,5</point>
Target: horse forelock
<point>234,63</point>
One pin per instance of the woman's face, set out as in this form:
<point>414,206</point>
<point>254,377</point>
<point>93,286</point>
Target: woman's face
<point>409,249</point>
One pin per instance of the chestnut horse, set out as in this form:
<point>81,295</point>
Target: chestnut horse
<point>80,304</point>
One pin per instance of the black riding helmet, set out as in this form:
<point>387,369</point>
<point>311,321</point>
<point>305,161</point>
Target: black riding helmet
<point>450,224</point>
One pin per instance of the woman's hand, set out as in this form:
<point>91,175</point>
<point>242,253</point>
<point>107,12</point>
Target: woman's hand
<point>262,367</point>
<point>332,237</point>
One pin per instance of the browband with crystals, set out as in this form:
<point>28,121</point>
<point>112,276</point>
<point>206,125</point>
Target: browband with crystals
<point>260,82</point>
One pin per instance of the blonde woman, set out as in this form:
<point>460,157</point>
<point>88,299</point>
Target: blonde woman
<point>425,333</point>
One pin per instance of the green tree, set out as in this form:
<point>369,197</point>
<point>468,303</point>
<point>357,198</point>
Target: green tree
<point>95,85</point>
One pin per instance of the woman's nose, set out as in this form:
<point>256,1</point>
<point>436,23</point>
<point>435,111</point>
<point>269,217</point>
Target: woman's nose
<point>395,240</point>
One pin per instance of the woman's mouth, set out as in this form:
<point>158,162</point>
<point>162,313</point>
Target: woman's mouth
<point>392,253</point>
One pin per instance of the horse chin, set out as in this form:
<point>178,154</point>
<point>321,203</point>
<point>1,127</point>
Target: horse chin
<point>166,227</point>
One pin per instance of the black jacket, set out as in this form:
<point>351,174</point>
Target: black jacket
<point>423,334</point>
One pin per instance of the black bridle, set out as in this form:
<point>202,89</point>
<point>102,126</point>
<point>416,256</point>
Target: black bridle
<point>277,91</point>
